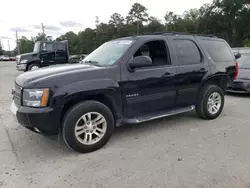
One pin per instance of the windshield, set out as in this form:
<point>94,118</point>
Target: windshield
<point>244,61</point>
<point>36,47</point>
<point>109,52</point>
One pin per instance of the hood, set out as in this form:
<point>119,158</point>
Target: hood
<point>28,54</point>
<point>244,73</point>
<point>56,71</point>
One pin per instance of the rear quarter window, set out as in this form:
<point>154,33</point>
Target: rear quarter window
<point>218,50</point>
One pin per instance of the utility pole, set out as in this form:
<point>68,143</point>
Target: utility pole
<point>9,48</point>
<point>17,44</point>
<point>43,30</point>
<point>97,21</point>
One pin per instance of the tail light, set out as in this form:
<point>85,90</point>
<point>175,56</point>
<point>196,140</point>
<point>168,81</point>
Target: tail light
<point>236,70</point>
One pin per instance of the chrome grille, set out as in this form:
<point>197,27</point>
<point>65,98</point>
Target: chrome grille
<point>17,92</point>
<point>17,60</point>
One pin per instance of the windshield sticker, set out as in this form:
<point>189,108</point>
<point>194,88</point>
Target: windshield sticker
<point>126,42</point>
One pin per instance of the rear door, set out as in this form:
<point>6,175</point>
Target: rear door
<point>61,53</point>
<point>192,66</point>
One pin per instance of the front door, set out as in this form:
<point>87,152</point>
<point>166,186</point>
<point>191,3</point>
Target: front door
<point>192,66</point>
<point>47,54</point>
<point>149,89</point>
<point>61,53</point>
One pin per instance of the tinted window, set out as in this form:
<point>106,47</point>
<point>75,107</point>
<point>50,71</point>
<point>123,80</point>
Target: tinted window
<point>218,50</point>
<point>187,52</point>
<point>48,47</point>
<point>156,50</point>
<point>60,46</point>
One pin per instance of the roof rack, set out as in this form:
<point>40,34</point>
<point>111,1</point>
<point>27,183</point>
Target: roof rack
<point>183,33</point>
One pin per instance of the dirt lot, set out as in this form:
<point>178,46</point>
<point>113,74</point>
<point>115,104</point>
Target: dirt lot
<point>176,152</point>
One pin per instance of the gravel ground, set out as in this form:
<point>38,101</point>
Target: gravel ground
<point>180,151</point>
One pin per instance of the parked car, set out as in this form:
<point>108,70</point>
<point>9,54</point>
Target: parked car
<point>76,58</point>
<point>4,58</point>
<point>125,81</point>
<point>241,84</point>
<point>12,58</point>
<point>45,53</point>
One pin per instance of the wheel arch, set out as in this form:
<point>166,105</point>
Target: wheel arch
<point>33,62</point>
<point>219,80</point>
<point>102,97</point>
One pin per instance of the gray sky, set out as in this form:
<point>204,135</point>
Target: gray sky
<point>26,16</point>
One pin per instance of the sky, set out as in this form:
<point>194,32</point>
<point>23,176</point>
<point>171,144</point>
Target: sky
<point>58,17</point>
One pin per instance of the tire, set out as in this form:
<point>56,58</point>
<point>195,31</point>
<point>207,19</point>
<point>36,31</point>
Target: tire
<point>77,117</point>
<point>203,109</point>
<point>33,65</point>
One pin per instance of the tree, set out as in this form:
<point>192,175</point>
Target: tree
<point>26,45</point>
<point>137,14</point>
<point>154,26</point>
<point>228,19</point>
<point>116,20</point>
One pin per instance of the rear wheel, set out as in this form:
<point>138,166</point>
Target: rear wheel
<point>210,102</point>
<point>33,66</point>
<point>87,126</point>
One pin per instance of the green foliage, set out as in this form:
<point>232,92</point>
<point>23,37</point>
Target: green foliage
<point>26,45</point>
<point>247,43</point>
<point>228,19</point>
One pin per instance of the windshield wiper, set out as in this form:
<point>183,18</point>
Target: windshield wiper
<point>92,63</point>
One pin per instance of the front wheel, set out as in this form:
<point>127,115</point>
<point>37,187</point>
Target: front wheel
<point>33,66</point>
<point>87,126</point>
<point>210,102</point>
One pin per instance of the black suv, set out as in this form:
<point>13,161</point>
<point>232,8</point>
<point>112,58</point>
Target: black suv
<point>125,81</point>
<point>45,53</point>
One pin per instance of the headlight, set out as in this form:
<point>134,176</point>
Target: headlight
<point>35,97</point>
<point>23,61</point>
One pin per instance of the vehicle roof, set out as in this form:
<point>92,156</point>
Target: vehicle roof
<point>52,41</point>
<point>148,36</point>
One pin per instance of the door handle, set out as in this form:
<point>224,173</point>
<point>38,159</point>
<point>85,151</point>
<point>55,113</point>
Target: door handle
<point>203,70</point>
<point>168,74</point>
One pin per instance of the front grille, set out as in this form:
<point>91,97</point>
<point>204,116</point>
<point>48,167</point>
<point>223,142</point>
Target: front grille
<point>17,95</point>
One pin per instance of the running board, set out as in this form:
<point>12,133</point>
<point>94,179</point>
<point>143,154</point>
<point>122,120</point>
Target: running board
<point>158,115</point>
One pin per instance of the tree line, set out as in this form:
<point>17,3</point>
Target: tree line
<point>228,19</point>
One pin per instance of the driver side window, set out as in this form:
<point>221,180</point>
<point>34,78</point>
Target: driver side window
<point>156,50</point>
<point>47,47</point>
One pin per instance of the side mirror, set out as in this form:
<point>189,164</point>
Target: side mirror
<point>237,55</point>
<point>140,61</point>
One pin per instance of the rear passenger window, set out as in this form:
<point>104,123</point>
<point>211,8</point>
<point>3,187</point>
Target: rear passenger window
<point>60,46</point>
<point>187,52</point>
<point>218,50</point>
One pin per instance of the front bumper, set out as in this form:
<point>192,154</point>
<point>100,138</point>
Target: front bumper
<point>21,67</point>
<point>239,86</point>
<point>46,120</point>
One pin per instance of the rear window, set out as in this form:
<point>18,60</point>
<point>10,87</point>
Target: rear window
<point>218,50</point>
